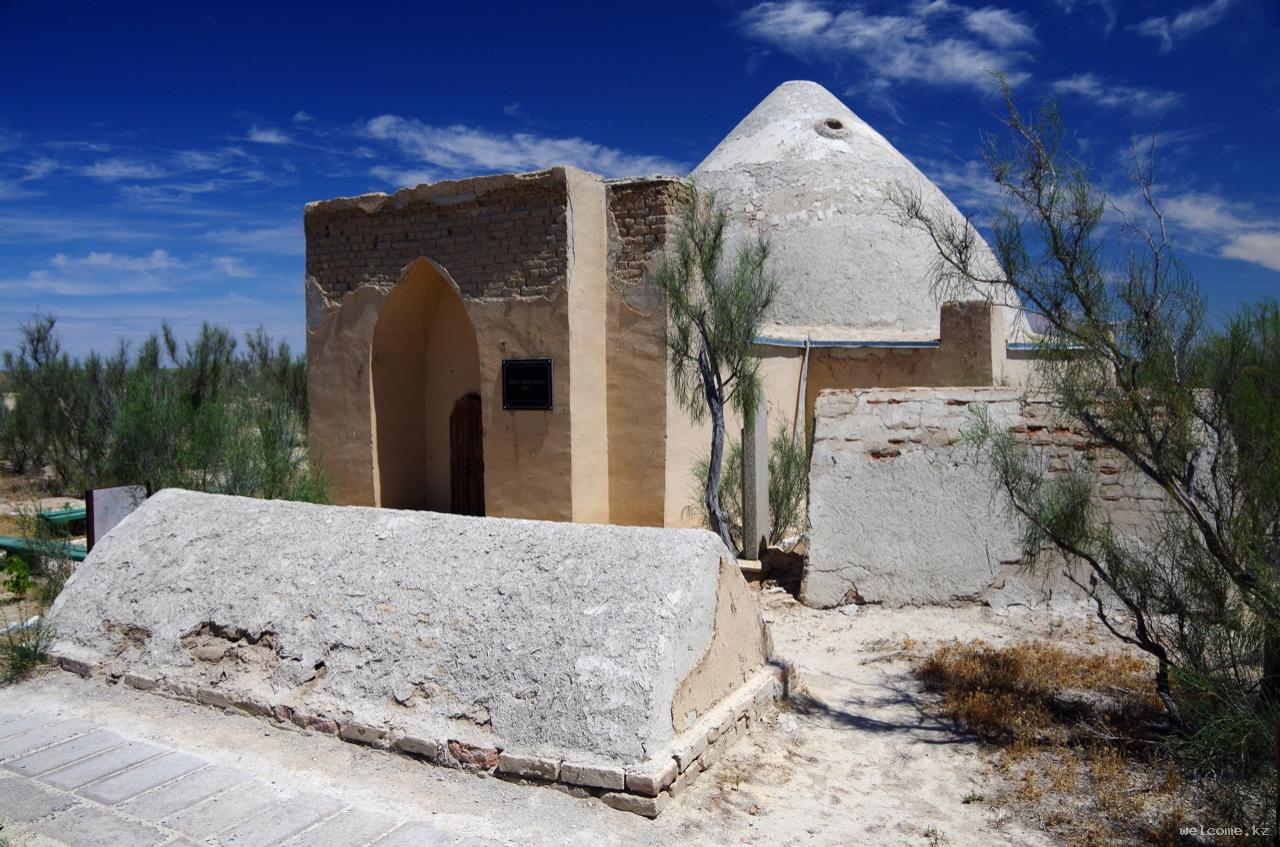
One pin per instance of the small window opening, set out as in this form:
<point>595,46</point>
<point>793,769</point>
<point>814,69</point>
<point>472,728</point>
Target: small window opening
<point>833,123</point>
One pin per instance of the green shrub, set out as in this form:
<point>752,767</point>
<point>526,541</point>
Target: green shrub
<point>44,563</point>
<point>788,487</point>
<point>23,648</point>
<point>199,416</point>
<point>17,576</point>
<point>730,491</point>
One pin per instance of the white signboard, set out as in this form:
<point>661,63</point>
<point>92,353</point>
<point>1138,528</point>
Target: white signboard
<point>106,507</point>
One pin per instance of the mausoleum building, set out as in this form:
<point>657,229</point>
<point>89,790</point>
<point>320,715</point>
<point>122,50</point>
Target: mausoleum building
<point>494,345</point>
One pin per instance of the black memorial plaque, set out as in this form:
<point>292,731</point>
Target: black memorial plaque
<point>526,384</point>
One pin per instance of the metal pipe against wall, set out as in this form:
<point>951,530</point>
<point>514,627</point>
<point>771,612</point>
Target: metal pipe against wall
<point>801,390</point>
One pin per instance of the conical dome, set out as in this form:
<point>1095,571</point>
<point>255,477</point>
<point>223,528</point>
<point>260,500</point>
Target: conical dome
<point>810,175</point>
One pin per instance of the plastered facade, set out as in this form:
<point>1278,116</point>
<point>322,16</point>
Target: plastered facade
<point>415,299</point>
<point>390,352</point>
<point>387,314</point>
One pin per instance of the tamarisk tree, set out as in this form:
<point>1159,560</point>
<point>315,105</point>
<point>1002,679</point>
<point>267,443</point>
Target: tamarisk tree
<point>1127,357</point>
<point>714,310</point>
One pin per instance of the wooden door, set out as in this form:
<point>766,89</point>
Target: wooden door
<point>466,457</point>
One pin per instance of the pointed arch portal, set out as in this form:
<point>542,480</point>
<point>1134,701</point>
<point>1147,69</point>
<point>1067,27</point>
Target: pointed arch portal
<point>426,397</point>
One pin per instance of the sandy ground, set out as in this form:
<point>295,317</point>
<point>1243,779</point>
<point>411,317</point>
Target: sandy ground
<point>856,761</point>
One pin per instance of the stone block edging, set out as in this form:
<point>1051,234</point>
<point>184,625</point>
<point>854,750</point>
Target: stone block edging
<point>644,788</point>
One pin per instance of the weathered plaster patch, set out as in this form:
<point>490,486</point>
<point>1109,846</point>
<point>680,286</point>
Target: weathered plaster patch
<point>901,512</point>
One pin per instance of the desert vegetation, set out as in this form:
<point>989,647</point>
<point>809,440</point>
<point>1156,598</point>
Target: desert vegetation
<point>1077,738</point>
<point>1128,357</point>
<point>714,309</point>
<point>788,488</point>
<point>207,415</point>
<point>29,583</point>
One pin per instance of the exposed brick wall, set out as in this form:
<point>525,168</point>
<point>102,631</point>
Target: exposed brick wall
<point>496,236</point>
<point>1128,498</point>
<point>642,215</point>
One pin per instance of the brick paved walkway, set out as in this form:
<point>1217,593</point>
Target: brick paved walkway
<point>82,785</point>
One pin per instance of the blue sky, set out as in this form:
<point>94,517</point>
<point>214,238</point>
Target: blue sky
<point>155,159</point>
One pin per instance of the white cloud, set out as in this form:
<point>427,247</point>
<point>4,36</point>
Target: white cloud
<point>171,193</point>
<point>10,190</point>
<point>301,117</point>
<point>111,170</point>
<point>793,25</point>
<point>1184,24</point>
<point>82,146</point>
<point>96,274</point>
<point>171,177</point>
<point>1261,248</point>
<point>39,168</point>
<point>230,266</point>
<point>156,260</point>
<point>1207,223</point>
<point>460,150</point>
<point>1206,213</point>
<point>402,178</point>
<point>266,135</point>
<point>68,227</point>
<point>1181,140</point>
<point>111,275</point>
<point>999,26</point>
<point>88,324</point>
<point>81,285</point>
<point>968,183</point>
<point>939,43</point>
<point>210,160</point>
<point>1114,95</point>
<point>147,174</point>
<point>284,240</point>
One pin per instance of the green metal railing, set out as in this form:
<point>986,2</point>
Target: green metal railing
<point>62,549</point>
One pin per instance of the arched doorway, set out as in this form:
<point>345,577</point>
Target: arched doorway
<point>425,364</point>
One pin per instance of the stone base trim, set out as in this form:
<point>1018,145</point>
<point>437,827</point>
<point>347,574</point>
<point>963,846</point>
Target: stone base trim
<point>643,789</point>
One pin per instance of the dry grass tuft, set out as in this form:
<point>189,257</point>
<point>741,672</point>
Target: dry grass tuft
<point>1016,695</point>
<point>1073,734</point>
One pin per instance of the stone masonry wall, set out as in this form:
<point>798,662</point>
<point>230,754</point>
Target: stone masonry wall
<point>496,236</point>
<point>902,513</point>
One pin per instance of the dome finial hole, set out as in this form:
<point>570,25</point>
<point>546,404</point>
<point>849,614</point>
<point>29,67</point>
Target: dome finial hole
<point>832,127</point>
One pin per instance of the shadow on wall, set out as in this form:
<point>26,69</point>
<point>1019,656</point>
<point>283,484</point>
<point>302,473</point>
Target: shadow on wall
<point>425,364</point>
